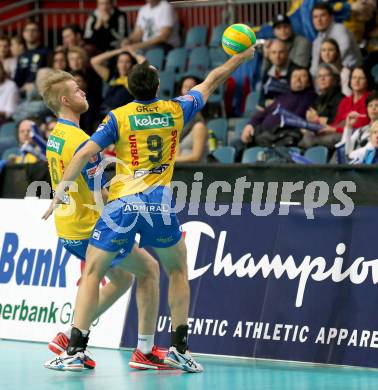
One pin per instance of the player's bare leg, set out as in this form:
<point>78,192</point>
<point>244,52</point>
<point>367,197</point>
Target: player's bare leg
<point>174,262</point>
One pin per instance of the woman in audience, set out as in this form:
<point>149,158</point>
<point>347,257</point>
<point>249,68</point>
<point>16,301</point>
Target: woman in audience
<point>59,60</point>
<point>357,141</point>
<point>361,83</point>
<point>371,155</point>
<point>330,54</point>
<point>9,62</point>
<point>115,76</point>
<point>17,46</point>
<point>193,140</point>
<point>325,107</point>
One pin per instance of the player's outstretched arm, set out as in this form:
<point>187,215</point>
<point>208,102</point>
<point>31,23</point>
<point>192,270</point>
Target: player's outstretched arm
<point>73,170</point>
<point>219,75</point>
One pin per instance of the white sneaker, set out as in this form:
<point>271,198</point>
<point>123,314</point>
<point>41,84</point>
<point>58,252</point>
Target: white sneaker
<point>183,361</point>
<point>66,362</point>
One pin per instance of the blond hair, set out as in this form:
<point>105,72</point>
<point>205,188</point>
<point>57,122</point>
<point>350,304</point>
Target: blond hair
<point>52,87</point>
<point>373,126</point>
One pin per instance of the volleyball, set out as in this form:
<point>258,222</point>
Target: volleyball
<point>237,38</point>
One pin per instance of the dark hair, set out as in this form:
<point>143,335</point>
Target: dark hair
<point>75,28</point>
<point>32,22</point>
<point>333,42</point>
<point>143,81</point>
<point>323,6</point>
<point>188,76</point>
<point>369,78</point>
<point>371,97</point>
<point>301,68</point>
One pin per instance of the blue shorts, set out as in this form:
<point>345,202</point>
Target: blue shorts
<point>78,248</point>
<point>148,213</point>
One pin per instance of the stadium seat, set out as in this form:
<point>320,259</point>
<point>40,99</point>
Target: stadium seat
<point>216,35</point>
<point>196,36</point>
<point>251,104</point>
<point>317,154</point>
<point>294,149</point>
<point>15,150</point>
<point>219,127</point>
<point>8,130</point>
<point>167,85</point>
<point>251,155</point>
<point>199,58</point>
<point>240,126</point>
<point>225,154</point>
<point>217,57</point>
<point>176,60</point>
<point>155,57</point>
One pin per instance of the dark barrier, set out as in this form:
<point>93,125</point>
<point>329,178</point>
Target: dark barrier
<point>279,287</point>
<point>15,179</point>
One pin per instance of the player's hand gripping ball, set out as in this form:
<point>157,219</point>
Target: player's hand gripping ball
<point>237,38</point>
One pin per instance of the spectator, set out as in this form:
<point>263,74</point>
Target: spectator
<point>361,83</point>
<point>17,46</point>
<point>156,26</point>
<point>106,26</point>
<point>325,107</point>
<point>9,62</point>
<point>299,47</point>
<point>278,73</point>
<point>72,36</point>
<point>324,24</point>
<point>9,96</point>
<point>116,94</point>
<point>34,58</point>
<point>78,62</point>
<point>357,141</point>
<point>330,54</point>
<point>193,140</point>
<point>59,60</point>
<point>33,105</point>
<point>264,127</point>
<point>371,155</point>
<point>32,145</point>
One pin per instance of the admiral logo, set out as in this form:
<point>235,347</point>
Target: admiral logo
<point>157,170</point>
<point>152,208</point>
<point>151,121</point>
<point>32,266</point>
<point>55,144</point>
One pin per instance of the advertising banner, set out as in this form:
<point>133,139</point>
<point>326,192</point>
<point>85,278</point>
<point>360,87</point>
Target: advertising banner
<point>279,286</point>
<point>39,278</point>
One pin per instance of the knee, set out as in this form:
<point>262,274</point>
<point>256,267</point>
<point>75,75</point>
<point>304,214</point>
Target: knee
<point>150,272</point>
<point>120,277</point>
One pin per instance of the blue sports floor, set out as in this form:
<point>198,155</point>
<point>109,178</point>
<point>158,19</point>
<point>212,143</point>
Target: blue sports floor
<point>21,369</point>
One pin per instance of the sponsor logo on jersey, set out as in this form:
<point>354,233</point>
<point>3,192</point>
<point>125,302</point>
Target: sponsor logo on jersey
<point>55,144</point>
<point>152,208</point>
<point>157,170</point>
<point>96,234</point>
<point>150,121</point>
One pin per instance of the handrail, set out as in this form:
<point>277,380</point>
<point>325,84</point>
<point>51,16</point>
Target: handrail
<point>15,5</point>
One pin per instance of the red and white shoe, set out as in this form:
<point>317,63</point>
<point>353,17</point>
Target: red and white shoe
<point>153,360</point>
<point>59,345</point>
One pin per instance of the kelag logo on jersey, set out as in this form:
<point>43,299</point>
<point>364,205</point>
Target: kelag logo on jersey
<point>150,121</point>
<point>55,144</point>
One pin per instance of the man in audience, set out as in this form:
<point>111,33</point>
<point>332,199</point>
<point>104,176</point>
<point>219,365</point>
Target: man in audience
<point>156,26</point>
<point>299,47</point>
<point>264,128</point>
<point>326,27</point>
<point>106,26</point>
<point>33,58</point>
<point>275,79</point>
<point>72,36</point>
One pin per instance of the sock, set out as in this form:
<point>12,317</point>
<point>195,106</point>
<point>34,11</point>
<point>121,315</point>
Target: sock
<point>67,332</point>
<point>78,342</point>
<point>180,338</point>
<point>145,343</point>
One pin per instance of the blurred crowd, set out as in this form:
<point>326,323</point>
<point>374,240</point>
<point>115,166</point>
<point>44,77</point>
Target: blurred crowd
<point>303,91</point>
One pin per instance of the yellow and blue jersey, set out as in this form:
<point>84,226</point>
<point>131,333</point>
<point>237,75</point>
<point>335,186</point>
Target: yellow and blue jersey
<point>146,136</point>
<point>73,221</point>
